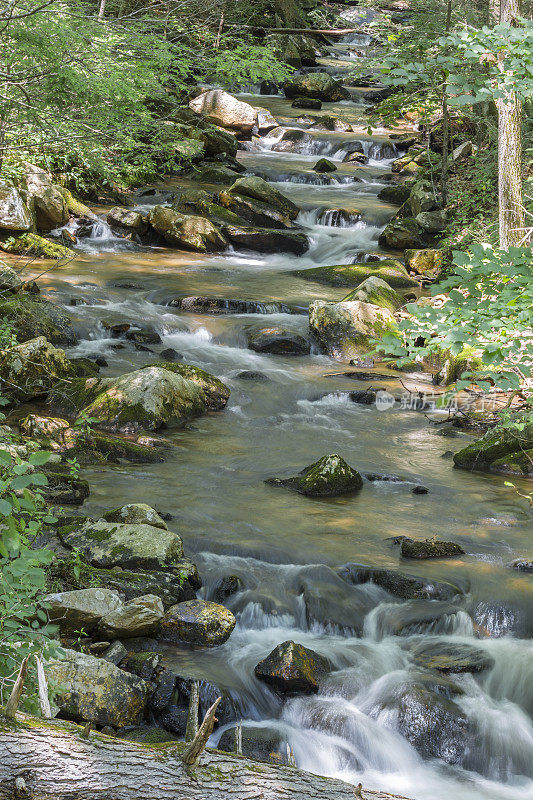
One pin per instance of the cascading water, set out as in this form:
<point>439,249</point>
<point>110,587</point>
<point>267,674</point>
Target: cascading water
<point>382,716</point>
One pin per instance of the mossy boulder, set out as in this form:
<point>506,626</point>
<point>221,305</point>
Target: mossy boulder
<point>147,398</point>
<point>216,174</point>
<point>30,369</point>
<point>30,317</point>
<point>450,367</point>
<point>430,548</point>
<point>139,617</point>
<point>128,220</point>
<point>108,544</point>
<point>190,232</point>
<point>198,622</point>
<point>377,292</point>
<point>500,448</point>
<point>352,275</point>
<point>136,514</point>
<point>324,165</point>
<point>9,279</point>
<point>81,608</point>
<point>317,85</point>
<point>292,668</point>
<point>64,489</point>
<point>402,234</point>
<point>427,262</point>
<point>520,463</point>
<point>94,690</point>
<point>264,192</point>
<point>396,193</point>
<point>346,330</point>
<point>330,476</point>
<point>201,203</point>
<point>216,394</point>
<point>75,206</point>
<point>31,244</point>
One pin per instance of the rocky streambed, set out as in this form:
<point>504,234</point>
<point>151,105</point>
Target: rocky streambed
<point>248,515</point>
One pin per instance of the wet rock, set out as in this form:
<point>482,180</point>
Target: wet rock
<point>31,317</point>
<point>222,305</point>
<point>64,489</point>
<point>451,657</point>
<point>228,585</point>
<point>258,743</point>
<point>221,108</point>
<point>147,398</point>
<point>30,369</point>
<point>352,275</point>
<point>522,565</point>
<point>264,192</point>
<point>323,165</point>
<point>128,220</point>
<point>216,174</point>
<point>430,548</point>
<point>501,449</point>
<point>265,121</point>
<point>169,354</point>
<point>292,668</point>
<point>215,393</point>
<point>163,693</point>
<point>109,544</point>
<point>266,240</point>
<point>15,212</point>
<point>201,203</point>
<point>330,476</point>
<point>136,514</point>
<point>94,690</point>
<point>139,617</point>
<point>83,608</point>
<point>406,587</point>
<point>414,617</point>
<point>358,158</point>
<point>251,375</point>
<point>404,234</point>
<point>397,193</point>
<point>143,336</point>
<point>377,292</point>
<point>331,602</point>
<point>278,341</point>
<point>198,622</point>
<point>307,102</point>
<point>328,123</point>
<point>419,489</point>
<point>317,85</point>
<point>346,329</point>
<point>191,232</point>
<point>174,719</point>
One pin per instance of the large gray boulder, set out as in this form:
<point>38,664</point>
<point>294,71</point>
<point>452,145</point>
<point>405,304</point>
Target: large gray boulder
<point>81,608</point>
<point>94,690</point>
<point>16,215</point>
<point>221,108</point>
<point>108,544</point>
<point>198,622</point>
<point>139,617</point>
<point>147,398</point>
<point>51,208</point>
<point>188,231</point>
<point>318,85</point>
<point>345,329</point>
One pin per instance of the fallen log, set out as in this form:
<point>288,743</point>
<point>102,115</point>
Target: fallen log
<point>49,760</point>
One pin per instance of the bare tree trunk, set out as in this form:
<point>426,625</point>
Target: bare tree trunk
<point>16,692</point>
<point>445,118</point>
<point>57,764</point>
<point>101,10</point>
<point>510,199</point>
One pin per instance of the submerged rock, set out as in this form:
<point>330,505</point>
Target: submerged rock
<point>198,622</point>
<point>292,668</point>
<point>330,476</point>
<point>522,565</point>
<point>258,743</point>
<point>329,601</point>
<point>430,548</point>
<point>278,341</point>
<point>451,657</point>
<point>346,329</point>
<point>94,690</point>
<point>109,544</point>
<point>407,587</point>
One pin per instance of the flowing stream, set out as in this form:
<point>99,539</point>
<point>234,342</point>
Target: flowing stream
<point>380,718</point>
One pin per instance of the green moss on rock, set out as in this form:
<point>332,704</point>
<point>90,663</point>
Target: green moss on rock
<point>352,275</point>
<point>330,476</point>
<point>31,244</point>
<point>215,392</point>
